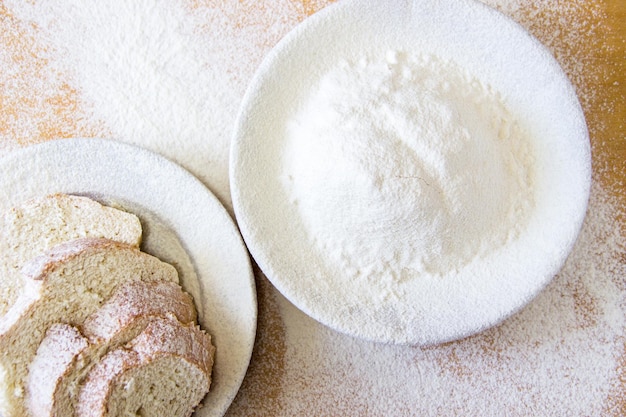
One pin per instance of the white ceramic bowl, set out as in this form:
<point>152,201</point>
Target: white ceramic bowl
<point>501,54</point>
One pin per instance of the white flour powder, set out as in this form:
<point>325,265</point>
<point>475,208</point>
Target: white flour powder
<point>406,165</point>
<point>168,76</point>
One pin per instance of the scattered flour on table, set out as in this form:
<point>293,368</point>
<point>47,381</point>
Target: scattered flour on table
<point>556,357</point>
<point>168,76</point>
<point>569,29</point>
<point>37,103</point>
<point>403,165</point>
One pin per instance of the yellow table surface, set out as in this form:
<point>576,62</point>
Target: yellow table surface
<point>587,37</point>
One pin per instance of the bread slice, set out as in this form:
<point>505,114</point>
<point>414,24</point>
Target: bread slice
<point>66,284</point>
<point>58,354</point>
<point>165,371</point>
<point>40,224</point>
<point>134,302</point>
<point>66,355</point>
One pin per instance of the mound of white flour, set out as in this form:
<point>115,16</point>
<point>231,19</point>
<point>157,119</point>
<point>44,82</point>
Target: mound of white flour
<point>403,166</point>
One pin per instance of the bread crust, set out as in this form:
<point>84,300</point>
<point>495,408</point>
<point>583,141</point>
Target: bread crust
<point>123,317</point>
<point>136,300</point>
<point>39,224</point>
<point>89,302</point>
<point>56,356</point>
<point>162,342</point>
<point>67,284</point>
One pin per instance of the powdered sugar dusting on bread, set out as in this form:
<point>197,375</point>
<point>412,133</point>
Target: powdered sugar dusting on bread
<point>45,263</point>
<point>175,338</point>
<point>97,387</point>
<point>166,367</point>
<point>153,317</point>
<point>138,301</point>
<point>37,225</point>
<point>59,349</point>
<point>73,287</point>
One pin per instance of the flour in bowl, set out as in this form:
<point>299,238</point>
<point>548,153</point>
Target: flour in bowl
<point>404,166</point>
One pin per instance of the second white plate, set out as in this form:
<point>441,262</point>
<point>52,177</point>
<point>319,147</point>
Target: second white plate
<point>183,222</point>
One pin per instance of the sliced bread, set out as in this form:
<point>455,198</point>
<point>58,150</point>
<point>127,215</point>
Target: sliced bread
<point>63,358</point>
<point>58,354</point>
<point>66,284</point>
<point>163,372</point>
<point>133,302</point>
<point>37,225</point>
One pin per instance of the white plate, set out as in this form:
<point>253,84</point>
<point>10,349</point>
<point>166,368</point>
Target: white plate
<point>183,224</point>
<point>491,47</point>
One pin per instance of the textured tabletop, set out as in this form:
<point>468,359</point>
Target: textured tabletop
<point>169,76</point>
